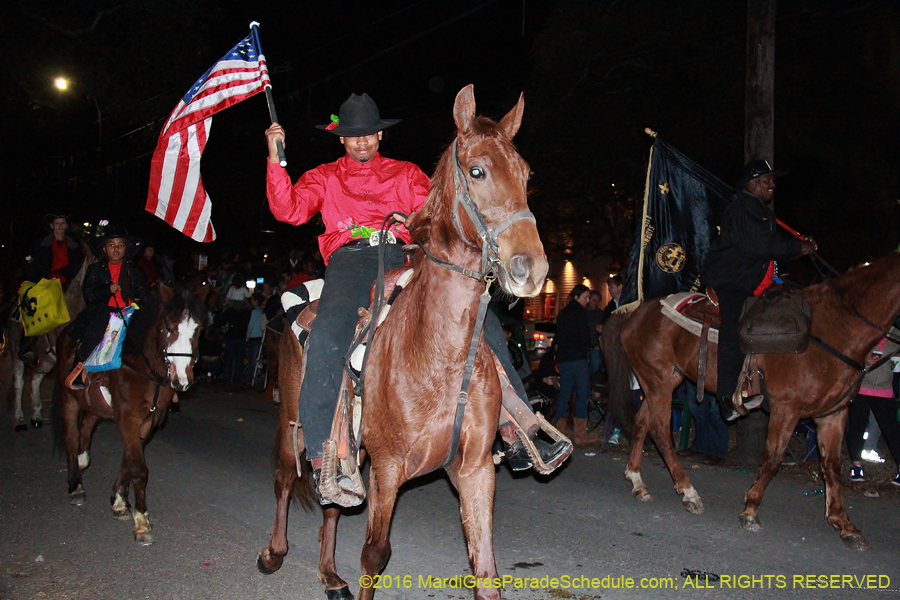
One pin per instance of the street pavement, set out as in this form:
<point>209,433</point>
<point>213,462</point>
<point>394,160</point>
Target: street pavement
<point>211,502</point>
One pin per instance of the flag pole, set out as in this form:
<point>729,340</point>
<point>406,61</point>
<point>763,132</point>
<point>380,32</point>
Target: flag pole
<point>254,27</point>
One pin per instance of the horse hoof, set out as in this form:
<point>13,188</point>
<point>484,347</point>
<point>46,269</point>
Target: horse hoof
<point>21,427</point>
<point>693,507</point>
<point>856,541</point>
<point>750,523</point>
<point>122,515</point>
<point>35,424</point>
<point>341,594</point>
<point>143,538</point>
<point>78,497</point>
<point>267,567</point>
<point>642,495</point>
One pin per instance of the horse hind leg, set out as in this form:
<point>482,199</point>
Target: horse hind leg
<point>633,469</point>
<point>660,410</point>
<point>830,431</point>
<point>18,377</point>
<point>70,413</point>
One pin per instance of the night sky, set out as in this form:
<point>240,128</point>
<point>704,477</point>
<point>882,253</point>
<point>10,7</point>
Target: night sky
<point>594,75</point>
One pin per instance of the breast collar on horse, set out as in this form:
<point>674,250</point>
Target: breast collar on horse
<point>490,260</point>
<point>863,369</point>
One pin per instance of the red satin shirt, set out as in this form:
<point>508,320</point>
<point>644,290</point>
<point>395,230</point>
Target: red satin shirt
<point>347,193</point>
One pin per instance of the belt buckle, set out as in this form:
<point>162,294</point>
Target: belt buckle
<point>375,238</point>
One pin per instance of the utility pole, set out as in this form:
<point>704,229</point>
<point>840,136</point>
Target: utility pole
<point>759,142</point>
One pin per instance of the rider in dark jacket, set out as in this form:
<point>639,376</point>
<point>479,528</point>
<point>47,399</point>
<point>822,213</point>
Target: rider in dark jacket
<point>109,285</point>
<point>56,254</point>
<point>740,264</point>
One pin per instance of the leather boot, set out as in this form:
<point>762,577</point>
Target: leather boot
<point>582,438</point>
<point>562,424</point>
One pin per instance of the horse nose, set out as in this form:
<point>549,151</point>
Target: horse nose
<point>520,267</point>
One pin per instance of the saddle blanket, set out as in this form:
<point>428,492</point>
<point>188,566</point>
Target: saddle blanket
<point>673,307</point>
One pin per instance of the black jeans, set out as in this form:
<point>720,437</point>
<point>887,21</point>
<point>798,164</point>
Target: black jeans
<point>348,279</point>
<point>730,359</point>
<point>885,411</point>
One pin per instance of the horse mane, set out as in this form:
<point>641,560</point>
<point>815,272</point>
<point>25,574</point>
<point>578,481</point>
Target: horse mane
<point>152,309</point>
<point>854,279</point>
<point>433,223</point>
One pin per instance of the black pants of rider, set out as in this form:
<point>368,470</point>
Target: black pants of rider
<point>351,271</point>
<point>730,357</point>
<point>88,329</point>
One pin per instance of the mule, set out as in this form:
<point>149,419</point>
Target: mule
<point>849,313</point>
<point>158,356</point>
<point>43,351</point>
<point>417,359</point>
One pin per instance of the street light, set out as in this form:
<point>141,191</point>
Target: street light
<point>62,84</point>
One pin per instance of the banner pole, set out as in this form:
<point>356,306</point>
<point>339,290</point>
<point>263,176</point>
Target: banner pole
<point>282,160</point>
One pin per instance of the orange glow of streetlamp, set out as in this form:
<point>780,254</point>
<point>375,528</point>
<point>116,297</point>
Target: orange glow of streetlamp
<point>61,83</point>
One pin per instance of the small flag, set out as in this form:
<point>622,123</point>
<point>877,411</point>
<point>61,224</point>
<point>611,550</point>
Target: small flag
<point>176,192</point>
<point>683,204</point>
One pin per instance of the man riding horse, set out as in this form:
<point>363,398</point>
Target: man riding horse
<point>354,195</point>
<point>741,264</point>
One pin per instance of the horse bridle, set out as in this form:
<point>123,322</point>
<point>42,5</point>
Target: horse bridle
<point>490,246</point>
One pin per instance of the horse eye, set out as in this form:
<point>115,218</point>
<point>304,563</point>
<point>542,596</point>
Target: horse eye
<point>476,172</point>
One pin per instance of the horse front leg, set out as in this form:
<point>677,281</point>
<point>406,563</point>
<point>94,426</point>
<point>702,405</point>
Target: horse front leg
<point>383,486</point>
<point>134,469</point>
<point>476,506</point>
<point>335,587</point>
<point>781,425</point>
<point>633,468</point>
<point>830,431</point>
<point>18,377</point>
<point>70,413</point>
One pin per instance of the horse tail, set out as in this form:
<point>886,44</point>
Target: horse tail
<point>618,370</point>
<point>56,422</point>
<point>303,490</point>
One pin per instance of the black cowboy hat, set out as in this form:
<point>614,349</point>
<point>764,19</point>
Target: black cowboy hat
<point>117,231</point>
<point>757,168</point>
<point>358,117</point>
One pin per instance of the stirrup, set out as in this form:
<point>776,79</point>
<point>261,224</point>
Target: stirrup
<point>539,465</point>
<point>336,486</point>
<point>72,381</point>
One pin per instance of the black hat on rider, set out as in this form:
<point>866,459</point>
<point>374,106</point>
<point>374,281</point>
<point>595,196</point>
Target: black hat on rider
<point>358,117</point>
<point>135,244</point>
<point>756,168</point>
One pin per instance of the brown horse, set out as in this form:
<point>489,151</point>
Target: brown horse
<point>850,314</point>
<point>417,359</point>
<point>158,355</point>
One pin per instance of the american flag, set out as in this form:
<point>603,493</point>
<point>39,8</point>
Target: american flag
<point>176,192</point>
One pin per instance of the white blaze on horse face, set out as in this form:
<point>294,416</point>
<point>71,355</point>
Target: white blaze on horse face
<point>182,345</point>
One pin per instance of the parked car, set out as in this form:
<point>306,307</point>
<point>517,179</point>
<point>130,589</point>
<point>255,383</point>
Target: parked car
<point>538,337</point>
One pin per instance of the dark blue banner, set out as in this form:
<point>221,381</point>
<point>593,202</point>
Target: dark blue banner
<point>683,205</point>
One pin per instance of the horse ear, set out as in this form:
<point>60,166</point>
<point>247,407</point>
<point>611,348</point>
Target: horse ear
<point>464,109</point>
<point>165,292</point>
<point>513,119</point>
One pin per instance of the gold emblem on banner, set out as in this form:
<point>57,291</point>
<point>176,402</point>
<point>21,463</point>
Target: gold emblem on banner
<point>670,257</point>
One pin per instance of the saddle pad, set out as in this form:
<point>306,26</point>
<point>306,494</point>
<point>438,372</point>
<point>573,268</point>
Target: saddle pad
<point>673,306</point>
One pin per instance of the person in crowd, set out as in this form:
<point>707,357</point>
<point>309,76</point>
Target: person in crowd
<point>516,354</point>
<point>237,294</point>
<point>255,331</point>
<point>150,264</point>
<point>573,344</point>
<point>352,194</point>
<point>56,255</point>
<point>235,320</point>
<point>876,393</point>
<point>110,285</point>
<point>710,442</point>
<point>614,285</point>
<point>741,264</point>
<point>595,316</point>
